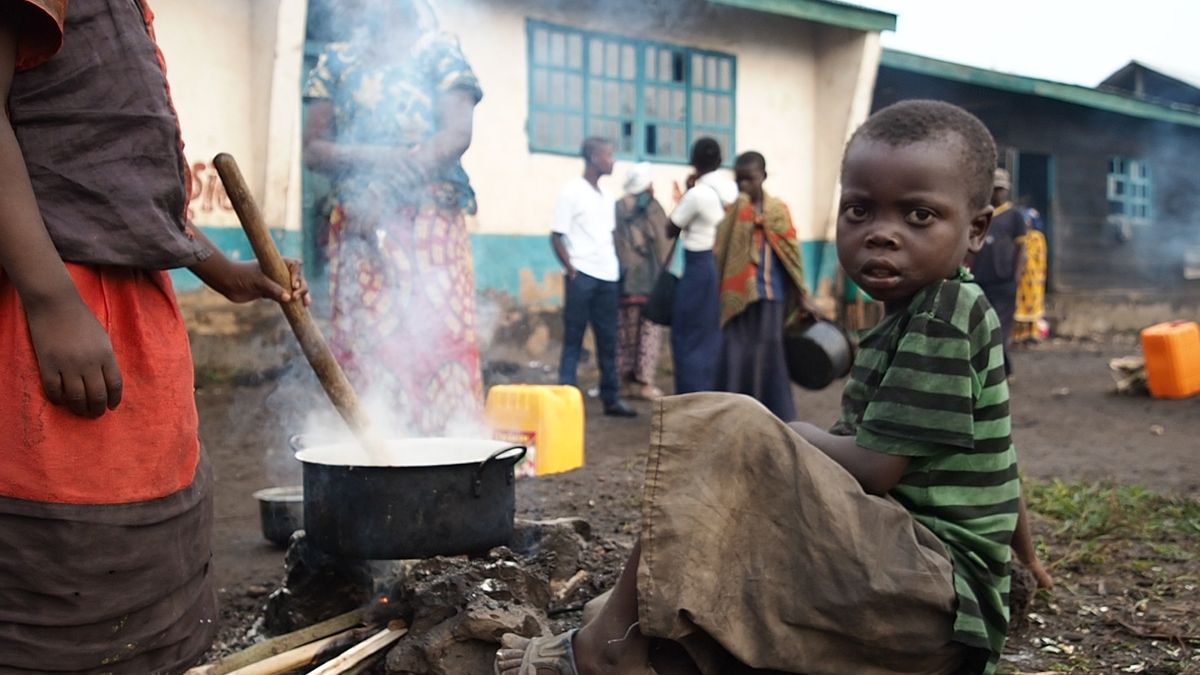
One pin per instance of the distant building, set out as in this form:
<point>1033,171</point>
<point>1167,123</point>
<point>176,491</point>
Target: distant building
<point>1112,169</point>
<point>1153,83</point>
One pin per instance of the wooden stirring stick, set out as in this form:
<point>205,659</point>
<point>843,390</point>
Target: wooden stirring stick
<point>316,350</point>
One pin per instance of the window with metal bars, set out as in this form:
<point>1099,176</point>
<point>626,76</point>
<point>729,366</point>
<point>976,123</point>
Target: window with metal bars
<point>1129,195</point>
<point>651,99</point>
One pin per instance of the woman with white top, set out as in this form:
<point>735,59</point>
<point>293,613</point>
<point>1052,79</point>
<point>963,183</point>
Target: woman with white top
<point>695,317</point>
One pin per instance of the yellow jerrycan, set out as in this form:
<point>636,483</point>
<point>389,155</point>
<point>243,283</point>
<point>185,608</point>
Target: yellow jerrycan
<point>548,419</point>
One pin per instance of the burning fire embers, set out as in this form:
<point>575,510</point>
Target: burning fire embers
<point>455,608</point>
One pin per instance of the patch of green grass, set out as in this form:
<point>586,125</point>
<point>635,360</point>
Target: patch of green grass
<point>1086,511</point>
<point>1089,519</point>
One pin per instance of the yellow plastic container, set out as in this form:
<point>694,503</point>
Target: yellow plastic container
<point>548,419</point>
<point>1172,353</point>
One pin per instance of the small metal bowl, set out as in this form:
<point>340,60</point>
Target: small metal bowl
<point>817,353</point>
<point>281,510</point>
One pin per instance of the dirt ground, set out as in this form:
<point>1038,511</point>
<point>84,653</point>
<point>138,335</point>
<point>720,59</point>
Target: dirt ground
<point>1125,602</point>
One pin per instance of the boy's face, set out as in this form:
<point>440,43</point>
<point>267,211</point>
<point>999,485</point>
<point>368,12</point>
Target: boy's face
<point>906,218</point>
<point>750,178</point>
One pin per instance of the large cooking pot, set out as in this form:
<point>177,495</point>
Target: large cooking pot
<point>422,497</point>
<point>817,353</point>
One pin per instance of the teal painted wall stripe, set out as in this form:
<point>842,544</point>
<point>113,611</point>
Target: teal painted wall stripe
<point>500,259</point>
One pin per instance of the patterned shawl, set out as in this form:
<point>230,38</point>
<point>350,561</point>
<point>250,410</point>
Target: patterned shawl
<point>737,251</point>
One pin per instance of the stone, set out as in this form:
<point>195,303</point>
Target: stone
<point>317,586</point>
<point>564,539</point>
<point>458,608</point>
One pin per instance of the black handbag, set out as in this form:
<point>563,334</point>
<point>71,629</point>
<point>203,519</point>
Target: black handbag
<point>662,296</point>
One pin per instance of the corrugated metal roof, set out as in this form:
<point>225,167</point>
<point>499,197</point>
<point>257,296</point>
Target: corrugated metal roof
<point>821,11</point>
<point>1060,91</point>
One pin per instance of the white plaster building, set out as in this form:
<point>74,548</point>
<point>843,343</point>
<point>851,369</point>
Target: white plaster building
<point>789,78</point>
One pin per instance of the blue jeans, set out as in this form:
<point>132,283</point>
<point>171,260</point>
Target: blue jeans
<point>591,300</point>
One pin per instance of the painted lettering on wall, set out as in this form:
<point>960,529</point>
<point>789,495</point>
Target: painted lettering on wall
<point>208,194</point>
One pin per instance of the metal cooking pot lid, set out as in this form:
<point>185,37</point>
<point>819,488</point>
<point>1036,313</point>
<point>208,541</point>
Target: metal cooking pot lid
<point>406,452</point>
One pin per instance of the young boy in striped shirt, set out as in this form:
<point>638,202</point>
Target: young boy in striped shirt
<point>928,394</point>
<point>881,546</point>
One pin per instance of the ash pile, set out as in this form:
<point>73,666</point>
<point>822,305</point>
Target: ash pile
<point>454,609</point>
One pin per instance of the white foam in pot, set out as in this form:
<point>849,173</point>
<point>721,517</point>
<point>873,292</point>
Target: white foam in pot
<point>403,452</point>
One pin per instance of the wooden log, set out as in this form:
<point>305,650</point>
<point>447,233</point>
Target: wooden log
<point>281,644</point>
<point>364,650</point>
<point>289,660</point>
<point>564,591</point>
<point>312,343</point>
<point>366,665</point>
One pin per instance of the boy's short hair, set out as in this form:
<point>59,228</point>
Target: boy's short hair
<point>706,154</point>
<point>752,158</point>
<point>917,121</point>
<point>591,144</point>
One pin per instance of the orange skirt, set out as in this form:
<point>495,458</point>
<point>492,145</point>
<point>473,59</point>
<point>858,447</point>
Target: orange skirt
<point>149,446</point>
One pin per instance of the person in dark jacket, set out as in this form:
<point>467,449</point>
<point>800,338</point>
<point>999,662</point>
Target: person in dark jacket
<point>998,267</point>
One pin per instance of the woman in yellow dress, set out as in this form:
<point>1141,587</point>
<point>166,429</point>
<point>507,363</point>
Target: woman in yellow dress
<point>1031,292</point>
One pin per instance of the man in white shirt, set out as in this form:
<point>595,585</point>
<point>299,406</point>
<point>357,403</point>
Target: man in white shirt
<point>582,237</point>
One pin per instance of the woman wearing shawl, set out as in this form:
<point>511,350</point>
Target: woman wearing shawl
<point>641,238</point>
<point>762,282</point>
<point>390,116</point>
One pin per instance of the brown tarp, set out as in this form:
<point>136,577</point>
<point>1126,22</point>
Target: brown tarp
<point>760,554</point>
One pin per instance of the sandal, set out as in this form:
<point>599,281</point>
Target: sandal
<point>528,656</point>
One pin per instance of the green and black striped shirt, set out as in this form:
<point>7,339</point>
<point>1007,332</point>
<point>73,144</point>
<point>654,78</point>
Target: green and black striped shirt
<point>928,383</point>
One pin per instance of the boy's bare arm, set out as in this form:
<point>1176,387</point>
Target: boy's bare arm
<point>876,472</point>
<point>245,281</point>
<point>1026,551</point>
<point>75,357</point>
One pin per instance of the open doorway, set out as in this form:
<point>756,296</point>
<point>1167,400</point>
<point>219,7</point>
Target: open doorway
<point>1034,176</point>
<point>316,188</point>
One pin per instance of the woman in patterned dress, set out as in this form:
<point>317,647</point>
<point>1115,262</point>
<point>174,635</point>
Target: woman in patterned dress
<point>390,116</point>
<point>1031,291</point>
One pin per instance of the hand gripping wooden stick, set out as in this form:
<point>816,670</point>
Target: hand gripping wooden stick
<point>316,350</point>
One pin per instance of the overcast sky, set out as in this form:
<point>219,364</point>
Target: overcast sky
<point>1077,41</point>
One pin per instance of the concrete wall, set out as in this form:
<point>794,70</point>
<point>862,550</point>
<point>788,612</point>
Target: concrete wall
<point>211,63</point>
<point>846,66</point>
<point>776,97</point>
<point>223,70</point>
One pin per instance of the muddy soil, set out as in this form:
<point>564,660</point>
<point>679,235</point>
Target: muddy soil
<point>1067,425</point>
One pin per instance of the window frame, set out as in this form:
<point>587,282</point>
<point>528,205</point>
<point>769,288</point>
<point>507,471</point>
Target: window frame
<point>1124,175</point>
<point>641,81</point>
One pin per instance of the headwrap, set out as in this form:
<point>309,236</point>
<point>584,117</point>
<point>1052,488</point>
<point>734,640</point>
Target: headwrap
<point>637,179</point>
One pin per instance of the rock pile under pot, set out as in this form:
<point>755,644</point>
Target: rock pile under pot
<point>456,608</point>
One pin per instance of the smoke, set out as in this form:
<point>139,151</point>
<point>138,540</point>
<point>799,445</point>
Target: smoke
<point>404,325</point>
<point>1154,251</point>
